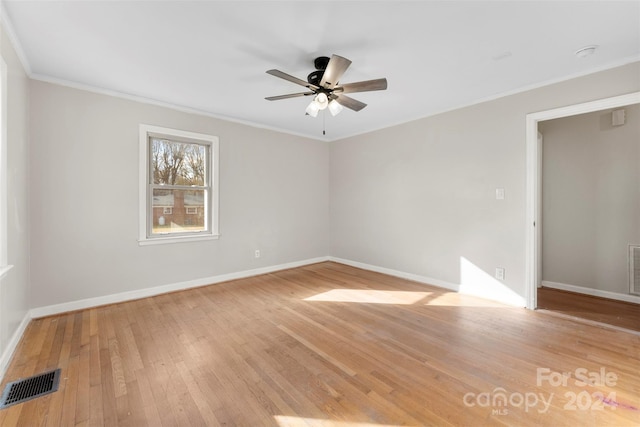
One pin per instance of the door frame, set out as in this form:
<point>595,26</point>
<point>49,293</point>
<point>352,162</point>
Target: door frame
<point>534,180</point>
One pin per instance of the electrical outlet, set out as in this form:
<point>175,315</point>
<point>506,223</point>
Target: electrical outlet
<point>499,193</point>
<point>499,273</point>
<point>257,253</point>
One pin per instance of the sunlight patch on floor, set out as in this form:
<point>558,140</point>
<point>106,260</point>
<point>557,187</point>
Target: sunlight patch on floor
<point>371,296</point>
<point>453,299</point>
<point>377,296</point>
<point>290,421</point>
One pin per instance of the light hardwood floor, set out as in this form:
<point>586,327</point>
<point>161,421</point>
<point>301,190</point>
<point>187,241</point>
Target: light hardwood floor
<point>616,313</point>
<point>328,345</point>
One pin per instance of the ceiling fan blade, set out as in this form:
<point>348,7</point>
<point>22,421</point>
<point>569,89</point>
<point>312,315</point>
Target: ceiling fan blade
<point>365,86</point>
<point>350,103</point>
<point>291,95</point>
<point>278,73</point>
<point>335,69</point>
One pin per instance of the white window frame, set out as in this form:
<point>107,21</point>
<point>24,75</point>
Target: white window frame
<point>146,188</point>
<point>167,210</point>
<point>4,239</point>
<point>190,210</point>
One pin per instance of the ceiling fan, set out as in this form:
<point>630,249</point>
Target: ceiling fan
<point>324,83</point>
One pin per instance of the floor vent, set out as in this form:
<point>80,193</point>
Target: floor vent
<point>634,269</point>
<point>30,388</point>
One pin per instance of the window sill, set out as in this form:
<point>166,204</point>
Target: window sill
<point>4,270</point>
<point>176,239</point>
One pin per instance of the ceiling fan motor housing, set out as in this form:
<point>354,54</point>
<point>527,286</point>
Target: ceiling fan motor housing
<point>320,63</point>
<point>315,77</point>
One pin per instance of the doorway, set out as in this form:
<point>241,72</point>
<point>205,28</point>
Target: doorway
<point>534,185</point>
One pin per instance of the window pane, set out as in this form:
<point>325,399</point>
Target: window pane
<point>178,211</point>
<point>177,163</point>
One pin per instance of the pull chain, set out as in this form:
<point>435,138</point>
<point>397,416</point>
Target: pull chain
<point>324,115</point>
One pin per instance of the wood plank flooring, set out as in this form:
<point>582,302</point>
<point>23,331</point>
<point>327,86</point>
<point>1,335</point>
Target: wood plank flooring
<point>616,313</point>
<point>325,345</point>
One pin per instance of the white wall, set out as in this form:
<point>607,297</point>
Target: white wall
<point>591,199</point>
<point>274,196</point>
<point>420,197</point>
<point>14,287</point>
<point>417,198</point>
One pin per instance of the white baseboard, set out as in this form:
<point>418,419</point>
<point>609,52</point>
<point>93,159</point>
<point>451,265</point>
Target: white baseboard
<point>593,292</point>
<point>401,274</point>
<point>50,310</point>
<point>13,344</point>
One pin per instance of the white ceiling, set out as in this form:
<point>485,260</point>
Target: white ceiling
<point>211,56</point>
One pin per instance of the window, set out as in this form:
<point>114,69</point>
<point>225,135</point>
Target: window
<point>178,185</point>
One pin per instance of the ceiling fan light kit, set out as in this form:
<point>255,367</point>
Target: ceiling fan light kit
<point>321,102</point>
<point>323,84</point>
<point>313,109</point>
<point>335,107</point>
